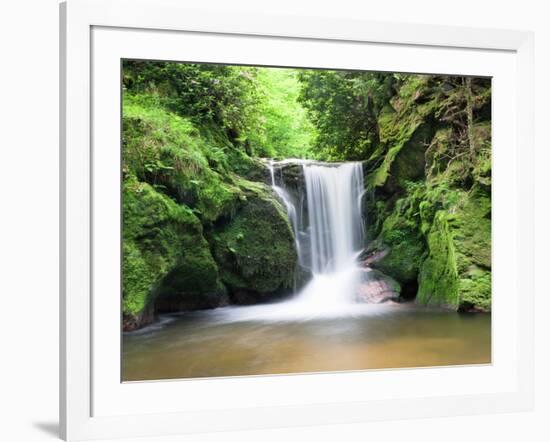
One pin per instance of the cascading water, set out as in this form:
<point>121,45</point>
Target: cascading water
<point>333,202</point>
<point>329,235</point>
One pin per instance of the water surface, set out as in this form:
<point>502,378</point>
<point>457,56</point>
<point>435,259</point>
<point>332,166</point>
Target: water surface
<point>236,341</point>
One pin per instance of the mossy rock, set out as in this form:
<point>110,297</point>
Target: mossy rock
<point>402,242</point>
<point>253,169</point>
<point>160,238</point>
<point>404,136</point>
<point>482,169</point>
<point>457,272</point>
<point>475,289</point>
<point>404,255</point>
<point>256,251</point>
<point>438,280</point>
<point>193,283</point>
<point>471,226</point>
<point>409,163</point>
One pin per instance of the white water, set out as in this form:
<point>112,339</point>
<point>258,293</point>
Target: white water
<point>333,201</point>
<point>328,239</point>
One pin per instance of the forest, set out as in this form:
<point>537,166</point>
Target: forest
<point>203,228</point>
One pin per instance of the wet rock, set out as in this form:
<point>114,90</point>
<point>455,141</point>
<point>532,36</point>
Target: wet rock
<point>377,288</point>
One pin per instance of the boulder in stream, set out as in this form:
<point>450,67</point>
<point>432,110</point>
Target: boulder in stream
<point>377,288</point>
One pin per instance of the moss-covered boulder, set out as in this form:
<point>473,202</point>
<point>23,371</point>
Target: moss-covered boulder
<point>471,227</point>
<point>403,247</point>
<point>438,276</point>
<point>160,237</point>
<point>400,243</point>
<point>457,271</point>
<point>255,251</point>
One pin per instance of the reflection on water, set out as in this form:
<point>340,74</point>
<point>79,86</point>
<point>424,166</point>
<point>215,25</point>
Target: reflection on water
<point>236,341</point>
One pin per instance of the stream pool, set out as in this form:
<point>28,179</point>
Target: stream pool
<point>237,341</point>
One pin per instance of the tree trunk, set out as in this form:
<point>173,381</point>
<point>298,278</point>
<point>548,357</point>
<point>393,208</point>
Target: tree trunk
<point>470,116</point>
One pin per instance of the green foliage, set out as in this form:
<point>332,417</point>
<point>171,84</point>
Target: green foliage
<point>256,108</point>
<point>168,152</point>
<point>344,107</point>
<point>223,96</point>
<point>287,131</point>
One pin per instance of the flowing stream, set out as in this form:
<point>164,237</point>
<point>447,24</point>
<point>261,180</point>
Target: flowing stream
<point>322,327</point>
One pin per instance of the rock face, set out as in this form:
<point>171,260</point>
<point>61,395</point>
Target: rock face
<point>429,193</point>
<point>457,272</point>
<point>377,288</point>
<point>256,251</point>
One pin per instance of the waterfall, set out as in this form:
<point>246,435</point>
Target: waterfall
<point>290,206</point>
<point>328,227</point>
<point>333,202</point>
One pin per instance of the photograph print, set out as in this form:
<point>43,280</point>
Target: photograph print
<point>289,220</point>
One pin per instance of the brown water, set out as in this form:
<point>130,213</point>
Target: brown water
<point>231,342</point>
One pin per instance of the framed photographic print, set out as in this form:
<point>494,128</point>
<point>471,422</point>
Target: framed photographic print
<point>316,221</point>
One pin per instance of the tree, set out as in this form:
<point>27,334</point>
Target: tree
<point>344,106</point>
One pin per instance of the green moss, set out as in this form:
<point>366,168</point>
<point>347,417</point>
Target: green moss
<point>475,289</point>
<point>396,142</point>
<point>256,250</point>
<point>404,132</point>
<point>438,280</point>
<point>432,192</point>
<point>457,271</point>
<point>402,231</point>
<point>483,164</point>
<point>170,153</point>
<point>160,236</point>
<point>439,233</point>
<point>471,227</point>
<point>449,164</point>
<point>138,277</point>
<point>426,210</point>
<point>252,169</point>
<point>405,248</point>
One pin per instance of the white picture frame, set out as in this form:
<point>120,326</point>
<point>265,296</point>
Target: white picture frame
<point>93,402</point>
